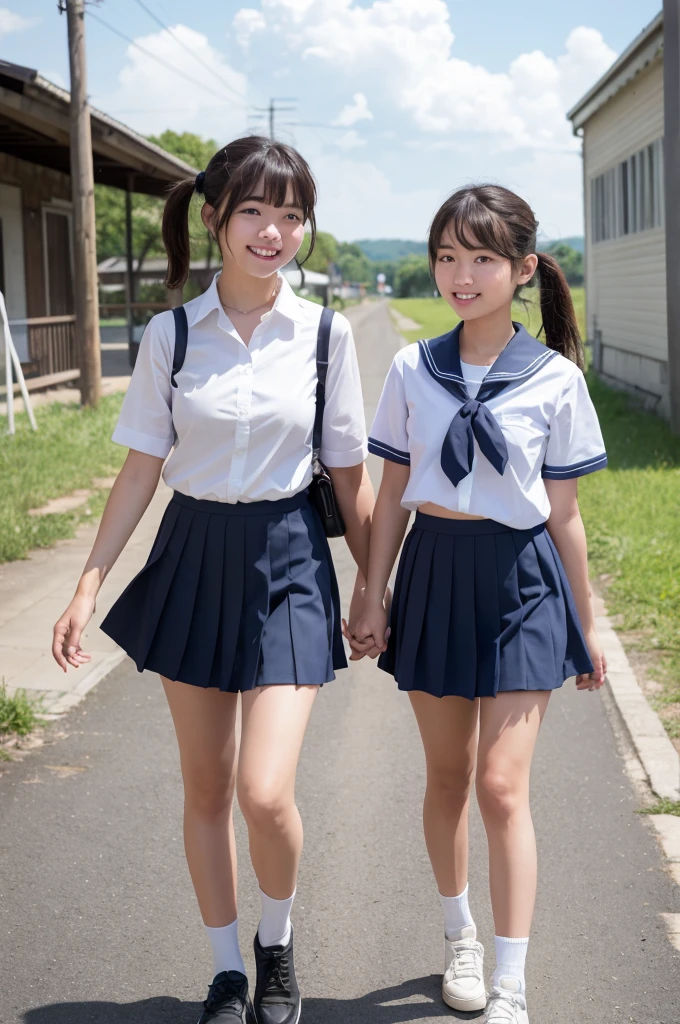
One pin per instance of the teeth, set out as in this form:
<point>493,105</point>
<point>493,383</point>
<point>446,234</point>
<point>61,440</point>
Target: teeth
<point>461,295</point>
<point>264,252</point>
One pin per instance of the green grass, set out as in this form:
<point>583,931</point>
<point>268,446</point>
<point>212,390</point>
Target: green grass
<point>631,512</point>
<point>664,806</point>
<point>437,317</point>
<point>71,446</point>
<point>19,715</point>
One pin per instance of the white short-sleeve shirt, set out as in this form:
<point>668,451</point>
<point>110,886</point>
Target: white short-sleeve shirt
<point>238,427</point>
<point>543,426</point>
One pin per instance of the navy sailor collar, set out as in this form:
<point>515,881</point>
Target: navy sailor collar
<point>521,358</point>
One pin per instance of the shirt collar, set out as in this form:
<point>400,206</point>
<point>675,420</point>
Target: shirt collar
<point>287,303</point>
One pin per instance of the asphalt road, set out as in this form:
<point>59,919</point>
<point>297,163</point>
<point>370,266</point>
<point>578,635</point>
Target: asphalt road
<point>97,916</point>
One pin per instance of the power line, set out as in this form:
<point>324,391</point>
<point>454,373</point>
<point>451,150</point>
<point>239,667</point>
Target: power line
<point>164,63</point>
<point>189,50</point>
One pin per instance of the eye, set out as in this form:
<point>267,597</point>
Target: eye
<point>250,209</point>
<point>486,259</point>
<point>292,216</point>
<point>446,258</point>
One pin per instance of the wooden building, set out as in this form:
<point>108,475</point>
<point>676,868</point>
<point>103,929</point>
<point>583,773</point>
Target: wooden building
<point>36,230</point>
<point>621,121</point>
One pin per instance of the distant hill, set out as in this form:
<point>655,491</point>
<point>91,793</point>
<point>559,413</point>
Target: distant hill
<point>388,249</point>
<point>575,241</point>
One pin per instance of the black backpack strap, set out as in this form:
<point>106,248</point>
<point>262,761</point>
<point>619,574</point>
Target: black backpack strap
<point>181,338</point>
<point>322,346</point>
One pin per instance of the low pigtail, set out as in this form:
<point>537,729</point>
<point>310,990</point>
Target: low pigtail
<point>176,232</point>
<point>557,310</point>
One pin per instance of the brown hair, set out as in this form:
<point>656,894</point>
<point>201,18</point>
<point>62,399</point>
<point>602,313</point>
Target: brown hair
<point>494,218</point>
<point>230,177</point>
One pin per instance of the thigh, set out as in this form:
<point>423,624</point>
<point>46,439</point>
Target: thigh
<point>448,729</point>
<point>204,721</point>
<point>508,730</point>
<point>274,721</point>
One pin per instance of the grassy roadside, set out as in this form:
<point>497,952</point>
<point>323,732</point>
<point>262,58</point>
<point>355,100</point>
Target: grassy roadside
<point>632,515</point>
<point>71,448</point>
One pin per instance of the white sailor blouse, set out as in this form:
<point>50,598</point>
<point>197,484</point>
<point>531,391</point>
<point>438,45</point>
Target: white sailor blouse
<point>238,427</point>
<point>531,420</point>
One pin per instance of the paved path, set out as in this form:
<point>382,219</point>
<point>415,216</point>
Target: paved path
<point>97,918</point>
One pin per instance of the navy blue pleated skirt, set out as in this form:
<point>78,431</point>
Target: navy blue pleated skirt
<point>480,608</point>
<point>234,596</point>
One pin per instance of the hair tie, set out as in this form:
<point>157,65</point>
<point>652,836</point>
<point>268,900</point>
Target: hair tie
<point>198,184</point>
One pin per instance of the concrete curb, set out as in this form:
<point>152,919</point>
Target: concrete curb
<point>657,754</point>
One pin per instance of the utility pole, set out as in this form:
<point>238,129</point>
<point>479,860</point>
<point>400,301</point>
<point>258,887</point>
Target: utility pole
<point>272,110</point>
<point>671,84</point>
<point>82,191</point>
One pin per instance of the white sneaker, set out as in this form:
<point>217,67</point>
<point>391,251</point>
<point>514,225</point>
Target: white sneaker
<point>463,982</point>
<point>507,1005</point>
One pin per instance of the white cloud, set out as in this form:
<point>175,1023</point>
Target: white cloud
<point>355,111</point>
<point>150,97</point>
<point>246,23</point>
<point>11,22</point>
<point>350,140</point>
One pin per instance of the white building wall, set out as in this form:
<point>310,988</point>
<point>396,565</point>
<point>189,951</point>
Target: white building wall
<point>626,276</point>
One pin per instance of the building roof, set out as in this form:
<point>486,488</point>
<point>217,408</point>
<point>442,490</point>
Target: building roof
<point>644,49</point>
<point>34,126</point>
<point>157,268</point>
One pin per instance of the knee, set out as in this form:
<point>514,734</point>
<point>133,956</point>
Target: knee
<point>264,806</point>
<point>209,793</point>
<point>450,790</point>
<point>499,796</point>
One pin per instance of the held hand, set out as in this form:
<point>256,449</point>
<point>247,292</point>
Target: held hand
<point>371,632</point>
<point>362,643</point>
<point>66,649</point>
<point>595,679</point>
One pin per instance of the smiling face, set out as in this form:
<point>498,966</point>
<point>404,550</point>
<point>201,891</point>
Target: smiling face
<point>259,237</point>
<point>475,281</point>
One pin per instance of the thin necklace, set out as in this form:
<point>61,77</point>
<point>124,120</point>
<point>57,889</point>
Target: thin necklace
<point>247,312</point>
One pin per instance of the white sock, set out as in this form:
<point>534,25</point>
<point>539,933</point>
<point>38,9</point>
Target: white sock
<point>511,956</point>
<point>457,916</point>
<point>274,928</point>
<point>225,948</point>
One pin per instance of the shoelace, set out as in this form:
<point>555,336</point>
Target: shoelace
<point>279,974</point>
<point>503,1006</point>
<point>220,992</point>
<point>466,961</point>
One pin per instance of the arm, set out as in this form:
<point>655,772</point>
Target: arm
<point>565,526</point>
<point>130,495</point>
<point>389,526</point>
<point>355,497</point>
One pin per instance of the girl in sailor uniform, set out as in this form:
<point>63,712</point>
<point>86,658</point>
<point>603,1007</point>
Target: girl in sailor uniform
<point>239,594</point>
<point>485,432</point>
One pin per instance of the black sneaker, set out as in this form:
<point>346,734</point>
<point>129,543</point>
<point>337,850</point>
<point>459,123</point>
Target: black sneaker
<point>277,996</point>
<point>228,1001</point>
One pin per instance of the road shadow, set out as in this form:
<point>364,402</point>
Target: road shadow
<point>413,1000</point>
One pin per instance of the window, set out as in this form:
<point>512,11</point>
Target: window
<point>629,197</point>
<point>58,261</point>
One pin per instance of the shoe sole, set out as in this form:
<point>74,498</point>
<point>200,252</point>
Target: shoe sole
<point>464,1005</point>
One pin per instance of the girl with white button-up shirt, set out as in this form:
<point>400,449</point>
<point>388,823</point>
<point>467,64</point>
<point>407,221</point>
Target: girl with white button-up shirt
<point>239,593</point>
<point>485,432</point>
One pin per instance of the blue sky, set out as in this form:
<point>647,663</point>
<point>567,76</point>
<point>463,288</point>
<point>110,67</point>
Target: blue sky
<point>406,98</point>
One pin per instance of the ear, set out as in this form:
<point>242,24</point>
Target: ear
<point>529,265</point>
<point>208,217</point>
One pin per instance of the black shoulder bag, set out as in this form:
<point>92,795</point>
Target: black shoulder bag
<point>321,492</point>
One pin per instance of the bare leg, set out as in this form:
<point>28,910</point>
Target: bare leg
<point>448,728</point>
<point>204,722</point>
<point>509,725</point>
<point>274,722</point>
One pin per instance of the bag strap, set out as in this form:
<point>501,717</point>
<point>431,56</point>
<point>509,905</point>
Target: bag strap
<point>181,338</point>
<point>322,346</point>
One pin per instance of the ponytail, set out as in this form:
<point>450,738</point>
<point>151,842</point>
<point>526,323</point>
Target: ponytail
<point>176,232</point>
<point>557,310</point>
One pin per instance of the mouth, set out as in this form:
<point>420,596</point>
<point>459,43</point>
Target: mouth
<point>465,298</point>
<point>268,255</point>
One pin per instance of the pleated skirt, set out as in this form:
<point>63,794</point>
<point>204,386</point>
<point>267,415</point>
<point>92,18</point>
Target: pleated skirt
<point>480,608</point>
<point>234,596</point>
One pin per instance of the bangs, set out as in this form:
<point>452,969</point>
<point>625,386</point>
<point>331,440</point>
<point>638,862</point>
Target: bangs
<point>275,177</point>
<point>475,218</point>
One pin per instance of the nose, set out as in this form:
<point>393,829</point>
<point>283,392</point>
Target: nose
<point>463,274</point>
<point>271,233</point>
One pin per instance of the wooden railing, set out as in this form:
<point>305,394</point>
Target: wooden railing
<point>51,343</point>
